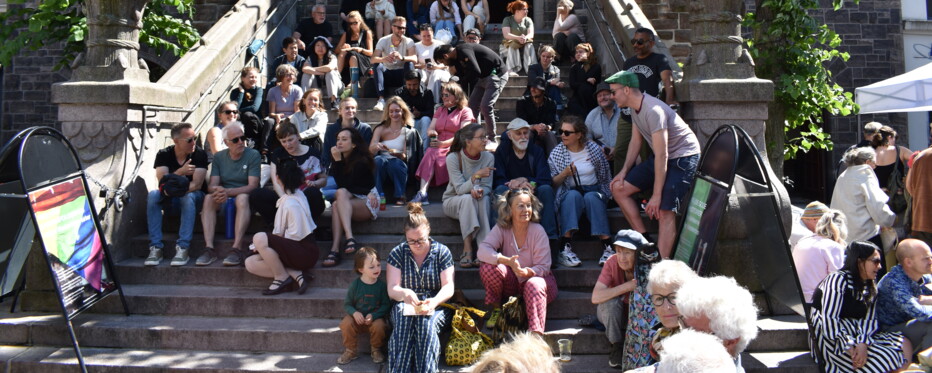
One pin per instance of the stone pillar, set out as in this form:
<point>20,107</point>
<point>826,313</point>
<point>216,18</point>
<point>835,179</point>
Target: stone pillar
<point>101,109</point>
<point>719,87</point>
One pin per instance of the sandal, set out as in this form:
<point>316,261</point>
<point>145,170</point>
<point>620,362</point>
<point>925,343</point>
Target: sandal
<point>466,261</point>
<point>303,282</point>
<point>283,286</point>
<point>350,246</point>
<point>332,259</point>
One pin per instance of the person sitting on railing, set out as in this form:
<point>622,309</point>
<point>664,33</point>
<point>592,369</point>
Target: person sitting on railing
<point>433,74</point>
<point>356,197</point>
<point>396,147</point>
<point>290,58</point>
<point>312,27</point>
<point>262,200</point>
<point>448,119</point>
<point>567,30</point>
<point>227,113</point>
<point>517,48</point>
<point>311,120</point>
<point>235,173</point>
<point>467,197</point>
<point>393,57</point>
<point>354,48</point>
<point>320,70</point>
<point>585,74</point>
<point>183,159</point>
<point>286,96</point>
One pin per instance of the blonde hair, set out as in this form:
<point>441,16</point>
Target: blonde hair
<point>362,23</point>
<point>566,4</point>
<point>527,352</point>
<point>547,48</point>
<point>833,225</point>
<point>406,117</point>
<point>504,206</point>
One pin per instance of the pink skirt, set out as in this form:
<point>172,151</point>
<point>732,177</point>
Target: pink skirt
<point>434,164</point>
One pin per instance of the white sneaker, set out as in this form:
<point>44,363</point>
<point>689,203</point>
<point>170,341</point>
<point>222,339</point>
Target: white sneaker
<point>155,256</point>
<point>379,106</point>
<point>568,257</point>
<point>609,251</point>
<point>181,257</point>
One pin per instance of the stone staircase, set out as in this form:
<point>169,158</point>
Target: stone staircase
<point>214,319</point>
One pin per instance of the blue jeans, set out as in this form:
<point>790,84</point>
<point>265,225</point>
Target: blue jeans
<point>574,204</point>
<point>395,78</point>
<point>387,166</point>
<point>330,190</point>
<point>548,218</point>
<point>187,206</point>
<point>422,125</point>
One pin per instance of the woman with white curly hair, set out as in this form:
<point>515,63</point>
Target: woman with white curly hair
<point>527,352</point>
<point>694,352</point>
<point>663,282</point>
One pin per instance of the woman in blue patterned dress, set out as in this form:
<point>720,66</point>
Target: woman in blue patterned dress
<point>420,277</point>
<point>845,322</point>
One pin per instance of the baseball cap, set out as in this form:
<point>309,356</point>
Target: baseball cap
<point>538,83</point>
<point>625,78</point>
<point>630,239</point>
<point>517,123</point>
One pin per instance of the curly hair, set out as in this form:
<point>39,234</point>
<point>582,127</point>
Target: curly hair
<point>527,352</point>
<point>504,206</point>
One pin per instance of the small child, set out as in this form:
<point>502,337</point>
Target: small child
<point>366,305</point>
<point>383,11</point>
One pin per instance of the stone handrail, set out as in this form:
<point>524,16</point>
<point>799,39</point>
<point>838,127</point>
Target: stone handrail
<point>622,18</point>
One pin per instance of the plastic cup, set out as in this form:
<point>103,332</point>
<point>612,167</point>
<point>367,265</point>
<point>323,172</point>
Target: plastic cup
<point>566,350</point>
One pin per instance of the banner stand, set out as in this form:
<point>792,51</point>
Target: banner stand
<point>44,188</point>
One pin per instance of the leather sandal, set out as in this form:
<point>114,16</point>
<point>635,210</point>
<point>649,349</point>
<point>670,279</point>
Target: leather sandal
<point>283,286</point>
<point>350,246</point>
<point>332,259</point>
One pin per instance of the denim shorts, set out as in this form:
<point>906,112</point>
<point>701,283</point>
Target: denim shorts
<point>680,173</point>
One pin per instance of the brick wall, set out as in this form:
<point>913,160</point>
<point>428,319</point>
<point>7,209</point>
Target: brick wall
<point>670,19</point>
<point>27,81</point>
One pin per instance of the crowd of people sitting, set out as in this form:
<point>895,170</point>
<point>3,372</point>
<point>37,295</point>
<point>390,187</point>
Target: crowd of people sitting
<point>520,196</point>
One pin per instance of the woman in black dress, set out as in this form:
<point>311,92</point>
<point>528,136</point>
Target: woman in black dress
<point>585,74</point>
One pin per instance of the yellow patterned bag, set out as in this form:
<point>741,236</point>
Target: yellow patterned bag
<point>466,343</point>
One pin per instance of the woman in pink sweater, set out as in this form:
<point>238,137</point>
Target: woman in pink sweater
<point>515,258</point>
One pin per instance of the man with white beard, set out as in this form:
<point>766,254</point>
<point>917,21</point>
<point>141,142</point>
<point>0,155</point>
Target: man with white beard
<point>519,163</point>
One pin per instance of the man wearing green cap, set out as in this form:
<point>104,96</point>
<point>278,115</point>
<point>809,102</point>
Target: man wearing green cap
<point>669,171</point>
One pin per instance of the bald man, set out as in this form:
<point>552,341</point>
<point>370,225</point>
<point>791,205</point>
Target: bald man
<point>904,298</point>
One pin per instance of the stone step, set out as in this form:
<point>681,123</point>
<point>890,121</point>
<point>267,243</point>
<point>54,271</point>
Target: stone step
<point>132,271</point>
<point>262,334</point>
<point>235,301</point>
<point>62,360</point>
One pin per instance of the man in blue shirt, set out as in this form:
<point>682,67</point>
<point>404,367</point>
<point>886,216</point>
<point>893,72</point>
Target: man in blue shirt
<point>904,299</point>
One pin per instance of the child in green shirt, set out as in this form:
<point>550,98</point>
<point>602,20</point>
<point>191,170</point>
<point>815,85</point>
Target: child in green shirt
<point>366,305</point>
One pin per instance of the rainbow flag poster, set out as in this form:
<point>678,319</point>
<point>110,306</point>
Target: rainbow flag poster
<point>72,242</point>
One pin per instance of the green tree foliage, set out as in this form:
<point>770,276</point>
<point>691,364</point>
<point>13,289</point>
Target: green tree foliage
<point>48,22</point>
<point>792,49</point>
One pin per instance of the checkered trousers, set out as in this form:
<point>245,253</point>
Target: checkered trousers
<point>500,281</point>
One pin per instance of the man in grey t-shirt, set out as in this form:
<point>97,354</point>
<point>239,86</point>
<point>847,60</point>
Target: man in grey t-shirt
<point>394,55</point>
<point>668,172</point>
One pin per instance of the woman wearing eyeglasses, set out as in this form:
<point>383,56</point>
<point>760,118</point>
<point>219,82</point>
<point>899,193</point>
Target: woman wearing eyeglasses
<point>449,118</point>
<point>286,96</point>
<point>517,48</point>
<point>515,259</point>
<point>663,281</point>
<point>355,48</point>
<point>844,319</point>
<point>581,172</point>
<point>420,278</point>
<point>227,113</point>
<point>467,196</point>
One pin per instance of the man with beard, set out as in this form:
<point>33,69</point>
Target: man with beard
<point>185,159</point>
<point>519,163</point>
<point>310,28</point>
<point>420,101</point>
<point>541,112</point>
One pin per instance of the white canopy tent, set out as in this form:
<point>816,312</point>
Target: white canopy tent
<point>907,92</point>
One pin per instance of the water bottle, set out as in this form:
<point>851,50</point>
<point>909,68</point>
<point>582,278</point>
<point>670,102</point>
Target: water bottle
<point>231,217</point>
<point>382,201</point>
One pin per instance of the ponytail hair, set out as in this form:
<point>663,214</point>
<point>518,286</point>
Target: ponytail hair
<point>882,137</point>
<point>833,225</point>
<point>463,135</point>
<point>416,217</point>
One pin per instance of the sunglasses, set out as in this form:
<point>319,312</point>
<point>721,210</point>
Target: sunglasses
<point>400,27</point>
<point>353,23</point>
<point>228,112</point>
<point>875,261</point>
<point>639,41</point>
<point>236,140</point>
<point>566,133</point>
<point>188,140</point>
